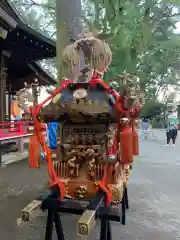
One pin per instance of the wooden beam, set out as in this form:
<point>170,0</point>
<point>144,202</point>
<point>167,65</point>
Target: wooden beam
<point>3,77</point>
<point>3,32</point>
<point>9,20</point>
<point>35,95</point>
<point>9,102</point>
<point>27,212</point>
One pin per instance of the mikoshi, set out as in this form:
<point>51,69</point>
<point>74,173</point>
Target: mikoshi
<point>96,138</point>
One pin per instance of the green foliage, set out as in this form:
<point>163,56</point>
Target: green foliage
<point>144,40</point>
<point>39,15</point>
<point>152,109</point>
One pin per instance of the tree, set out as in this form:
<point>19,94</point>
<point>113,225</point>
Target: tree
<point>68,22</point>
<point>144,37</point>
<point>42,17</point>
<point>144,43</point>
<point>152,109</point>
<point>144,40</point>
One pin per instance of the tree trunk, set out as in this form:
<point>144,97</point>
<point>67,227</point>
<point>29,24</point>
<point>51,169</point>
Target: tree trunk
<point>68,22</point>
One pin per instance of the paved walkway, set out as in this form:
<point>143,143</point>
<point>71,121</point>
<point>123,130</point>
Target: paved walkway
<point>153,193</point>
<point>18,186</point>
<point>12,157</point>
<point>16,156</point>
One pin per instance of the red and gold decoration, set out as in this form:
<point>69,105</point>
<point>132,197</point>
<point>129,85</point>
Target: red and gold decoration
<point>97,138</point>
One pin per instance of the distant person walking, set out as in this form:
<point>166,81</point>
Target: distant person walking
<point>172,127</point>
<point>144,128</point>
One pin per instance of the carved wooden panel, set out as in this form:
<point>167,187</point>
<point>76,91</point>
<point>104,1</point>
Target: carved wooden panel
<point>82,157</point>
<point>84,134</point>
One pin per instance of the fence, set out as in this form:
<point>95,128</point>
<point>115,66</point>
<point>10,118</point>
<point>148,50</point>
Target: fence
<point>12,136</point>
<point>14,129</point>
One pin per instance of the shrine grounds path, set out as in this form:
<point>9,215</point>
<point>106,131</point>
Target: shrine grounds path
<point>154,197</point>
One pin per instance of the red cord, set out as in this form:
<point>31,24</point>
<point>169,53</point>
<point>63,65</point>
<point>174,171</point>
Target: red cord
<point>38,131</point>
<point>120,109</point>
<point>96,81</point>
<point>103,183</point>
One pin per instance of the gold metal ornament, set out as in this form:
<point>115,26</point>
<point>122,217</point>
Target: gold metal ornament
<point>86,223</point>
<point>81,192</point>
<point>80,94</point>
<point>25,99</point>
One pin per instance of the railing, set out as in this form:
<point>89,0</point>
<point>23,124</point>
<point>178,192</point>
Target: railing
<point>15,132</point>
<point>13,129</point>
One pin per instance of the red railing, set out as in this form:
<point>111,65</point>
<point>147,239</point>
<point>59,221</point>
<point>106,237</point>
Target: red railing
<point>12,129</point>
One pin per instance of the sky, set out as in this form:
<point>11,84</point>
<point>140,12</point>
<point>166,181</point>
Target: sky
<point>178,27</point>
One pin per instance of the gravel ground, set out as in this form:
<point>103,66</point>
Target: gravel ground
<point>153,194</point>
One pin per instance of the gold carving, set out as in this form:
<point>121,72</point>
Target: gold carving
<point>81,192</point>
<point>89,108</point>
<point>25,99</point>
<point>117,190</point>
<point>127,171</point>
<point>84,153</point>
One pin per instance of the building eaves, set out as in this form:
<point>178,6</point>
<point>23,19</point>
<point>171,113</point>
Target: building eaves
<point>7,19</point>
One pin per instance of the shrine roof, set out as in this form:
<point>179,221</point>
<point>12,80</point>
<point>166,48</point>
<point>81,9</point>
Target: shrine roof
<point>28,74</point>
<point>25,43</point>
<point>45,78</point>
<point>23,47</point>
<point>6,21</point>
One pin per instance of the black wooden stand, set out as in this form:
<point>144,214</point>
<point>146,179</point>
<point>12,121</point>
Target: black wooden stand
<point>124,206</point>
<point>54,218</point>
<point>54,206</point>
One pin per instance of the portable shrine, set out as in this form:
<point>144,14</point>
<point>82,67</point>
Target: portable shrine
<point>95,140</point>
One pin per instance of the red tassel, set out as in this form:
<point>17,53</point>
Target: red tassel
<point>126,145</point>
<point>135,139</point>
<point>34,152</point>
